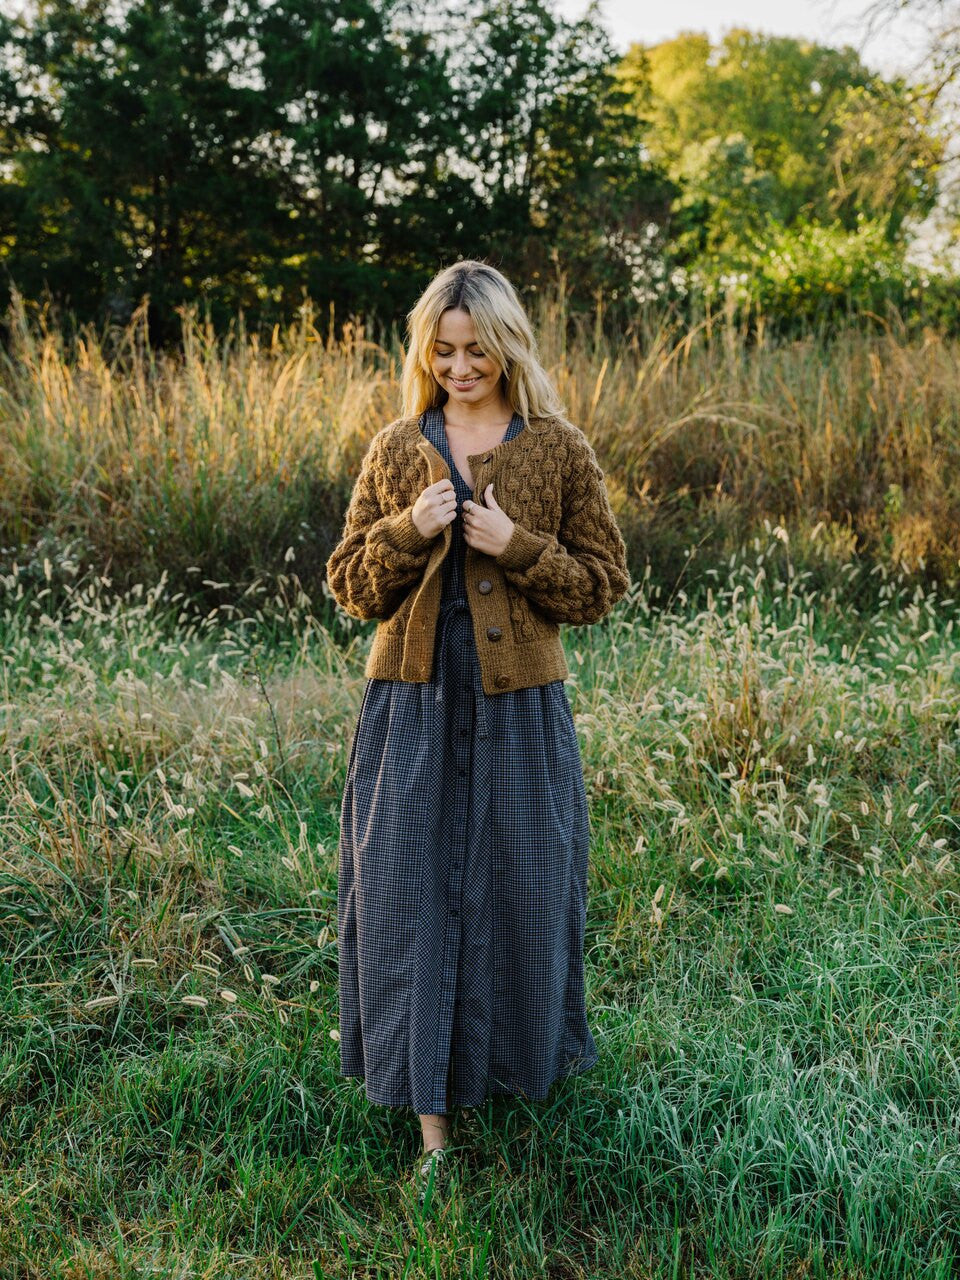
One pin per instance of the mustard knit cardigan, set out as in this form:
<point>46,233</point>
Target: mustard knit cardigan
<point>565,561</point>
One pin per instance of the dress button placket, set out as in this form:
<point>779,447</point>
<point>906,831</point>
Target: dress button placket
<point>456,663</point>
<point>455,618</point>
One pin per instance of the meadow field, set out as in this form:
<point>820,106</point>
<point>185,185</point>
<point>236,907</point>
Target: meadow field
<point>769,724</point>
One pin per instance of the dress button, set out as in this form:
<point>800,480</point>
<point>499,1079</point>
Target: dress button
<point>463,773</point>
<point>501,681</point>
<point>484,585</point>
<point>454,913</point>
<point>494,633</point>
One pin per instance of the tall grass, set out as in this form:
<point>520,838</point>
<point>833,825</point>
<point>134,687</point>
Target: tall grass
<point>231,460</point>
<point>769,732</point>
<point>213,461</point>
<point>771,945</point>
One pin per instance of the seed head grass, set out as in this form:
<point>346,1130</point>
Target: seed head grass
<point>771,946</point>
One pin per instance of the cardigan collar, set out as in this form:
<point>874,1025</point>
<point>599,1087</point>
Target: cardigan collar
<point>410,428</point>
<point>484,466</point>
<point>432,426</point>
<point>412,434</point>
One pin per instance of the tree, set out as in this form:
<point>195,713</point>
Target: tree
<point>556,150</point>
<point>137,162</point>
<point>768,127</point>
<point>934,96</point>
<point>362,101</point>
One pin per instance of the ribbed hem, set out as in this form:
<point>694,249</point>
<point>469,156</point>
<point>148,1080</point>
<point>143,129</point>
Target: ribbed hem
<point>539,662</point>
<point>385,658</point>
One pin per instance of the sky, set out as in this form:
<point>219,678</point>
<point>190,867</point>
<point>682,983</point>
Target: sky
<point>834,22</point>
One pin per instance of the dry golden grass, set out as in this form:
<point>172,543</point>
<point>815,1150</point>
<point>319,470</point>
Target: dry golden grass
<point>231,457</point>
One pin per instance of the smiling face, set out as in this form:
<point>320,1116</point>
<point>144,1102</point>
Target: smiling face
<point>468,375</point>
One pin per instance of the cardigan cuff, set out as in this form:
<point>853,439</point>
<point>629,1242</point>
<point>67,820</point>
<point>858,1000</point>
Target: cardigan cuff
<point>402,533</point>
<point>523,548</point>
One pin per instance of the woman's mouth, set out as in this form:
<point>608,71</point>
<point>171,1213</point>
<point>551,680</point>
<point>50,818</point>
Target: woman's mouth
<point>461,386</point>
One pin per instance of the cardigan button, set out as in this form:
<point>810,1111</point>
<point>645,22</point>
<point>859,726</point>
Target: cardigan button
<point>525,628</point>
<point>494,633</point>
<point>484,585</point>
<point>501,681</point>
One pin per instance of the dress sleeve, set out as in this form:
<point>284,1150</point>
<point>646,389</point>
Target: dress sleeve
<point>578,576</point>
<point>378,557</point>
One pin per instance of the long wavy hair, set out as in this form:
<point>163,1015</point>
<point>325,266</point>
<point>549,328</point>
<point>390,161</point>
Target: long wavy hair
<point>503,331</point>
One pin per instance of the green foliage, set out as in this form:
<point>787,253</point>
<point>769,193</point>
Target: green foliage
<point>811,273</point>
<point>785,149</point>
<point>248,154</point>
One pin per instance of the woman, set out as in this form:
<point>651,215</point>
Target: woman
<point>479,522</point>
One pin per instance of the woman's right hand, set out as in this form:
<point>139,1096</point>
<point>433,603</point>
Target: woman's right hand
<point>435,506</point>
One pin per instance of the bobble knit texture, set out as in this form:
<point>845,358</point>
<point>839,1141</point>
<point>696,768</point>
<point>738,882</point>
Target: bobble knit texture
<point>565,561</point>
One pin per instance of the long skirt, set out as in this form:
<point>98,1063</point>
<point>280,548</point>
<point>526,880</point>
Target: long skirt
<point>462,888</point>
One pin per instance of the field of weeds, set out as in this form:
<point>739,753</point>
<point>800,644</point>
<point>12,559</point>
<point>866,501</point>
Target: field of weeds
<point>770,752</point>
<point>230,459</point>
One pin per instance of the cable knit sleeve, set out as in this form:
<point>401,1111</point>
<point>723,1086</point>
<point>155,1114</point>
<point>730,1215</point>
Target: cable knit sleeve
<point>378,557</point>
<point>578,576</point>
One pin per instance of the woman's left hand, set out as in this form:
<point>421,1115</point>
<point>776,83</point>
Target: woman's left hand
<point>488,528</point>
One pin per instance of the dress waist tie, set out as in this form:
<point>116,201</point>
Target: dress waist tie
<point>448,610</point>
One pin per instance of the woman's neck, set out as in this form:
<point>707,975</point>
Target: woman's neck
<point>479,421</point>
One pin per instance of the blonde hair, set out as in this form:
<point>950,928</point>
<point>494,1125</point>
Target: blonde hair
<point>503,331</point>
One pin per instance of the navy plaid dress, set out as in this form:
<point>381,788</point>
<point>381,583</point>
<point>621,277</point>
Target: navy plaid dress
<point>462,875</point>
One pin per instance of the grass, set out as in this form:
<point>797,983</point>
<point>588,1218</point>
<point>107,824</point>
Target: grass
<point>217,462</point>
<point>771,946</point>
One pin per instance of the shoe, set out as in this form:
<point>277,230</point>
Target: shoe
<point>433,1172</point>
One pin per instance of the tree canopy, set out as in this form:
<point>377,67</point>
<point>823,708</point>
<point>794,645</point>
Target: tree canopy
<point>763,129</point>
<point>250,152</point>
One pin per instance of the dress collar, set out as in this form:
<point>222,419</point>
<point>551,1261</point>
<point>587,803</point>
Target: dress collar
<point>432,426</point>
